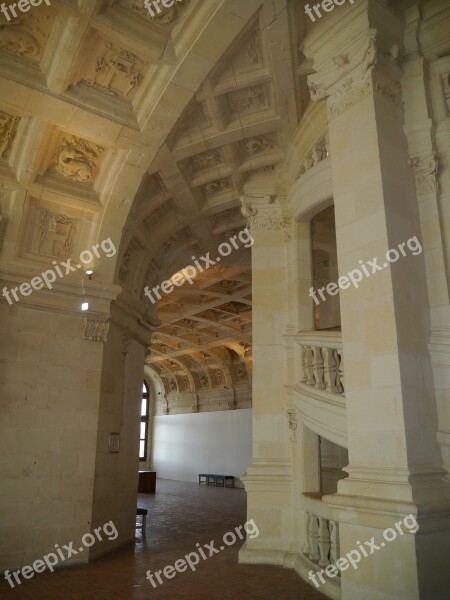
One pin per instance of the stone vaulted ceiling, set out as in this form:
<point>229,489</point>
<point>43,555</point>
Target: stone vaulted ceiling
<point>148,131</point>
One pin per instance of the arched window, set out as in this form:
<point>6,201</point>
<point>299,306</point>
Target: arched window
<point>144,422</point>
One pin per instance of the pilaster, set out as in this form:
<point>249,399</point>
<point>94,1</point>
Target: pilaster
<point>268,480</point>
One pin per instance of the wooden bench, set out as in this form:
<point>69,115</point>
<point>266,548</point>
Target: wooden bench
<point>215,479</point>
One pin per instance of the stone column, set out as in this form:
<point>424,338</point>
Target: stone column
<point>395,466</point>
<point>268,479</point>
<point>427,133</point>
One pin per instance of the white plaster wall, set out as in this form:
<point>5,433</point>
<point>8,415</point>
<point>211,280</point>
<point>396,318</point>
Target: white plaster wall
<point>212,442</point>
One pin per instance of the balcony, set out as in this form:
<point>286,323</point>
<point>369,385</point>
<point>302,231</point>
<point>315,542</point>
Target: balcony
<point>322,360</point>
<point>319,391</point>
<point>322,546</point>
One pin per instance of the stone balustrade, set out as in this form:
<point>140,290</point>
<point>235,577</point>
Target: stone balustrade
<point>322,363</point>
<point>322,540</point>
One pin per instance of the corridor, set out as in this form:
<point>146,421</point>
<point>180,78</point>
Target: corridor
<point>180,516</point>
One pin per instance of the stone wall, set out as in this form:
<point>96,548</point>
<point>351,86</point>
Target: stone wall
<point>51,380</point>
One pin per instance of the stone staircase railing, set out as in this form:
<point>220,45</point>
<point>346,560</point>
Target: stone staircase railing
<point>322,360</point>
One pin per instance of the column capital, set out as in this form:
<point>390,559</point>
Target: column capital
<point>362,60</point>
<point>263,213</point>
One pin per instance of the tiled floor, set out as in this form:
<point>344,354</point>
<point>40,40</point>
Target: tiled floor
<point>180,515</point>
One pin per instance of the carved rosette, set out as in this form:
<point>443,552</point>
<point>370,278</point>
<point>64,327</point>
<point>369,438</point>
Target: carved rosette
<point>426,173</point>
<point>363,67</point>
<point>77,159</point>
<point>95,331</point>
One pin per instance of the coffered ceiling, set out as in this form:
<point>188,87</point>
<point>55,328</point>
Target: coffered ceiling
<point>147,130</point>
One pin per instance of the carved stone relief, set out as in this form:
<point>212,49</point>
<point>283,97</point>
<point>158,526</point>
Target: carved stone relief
<point>204,380</point>
<point>206,160</point>
<point>116,72</point>
<point>292,424</point>
<point>8,125</point>
<point>262,217</point>
<point>218,377</point>
<point>95,331</point>
<point>215,187</point>
<point>16,40</point>
<point>166,16</point>
<point>248,99</point>
<point>256,144</point>
<point>388,87</point>
<point>319,152</point>
<point>77,159</point>
<point>426,173</point>
<point>357,75</point>
<point>56,233</point>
